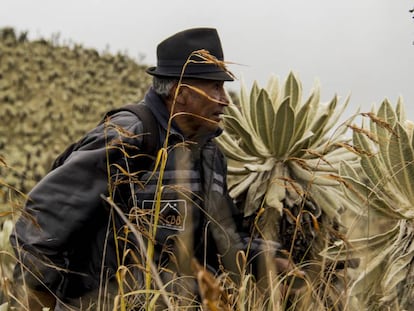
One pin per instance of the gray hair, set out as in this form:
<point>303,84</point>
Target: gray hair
<point>162,86</point>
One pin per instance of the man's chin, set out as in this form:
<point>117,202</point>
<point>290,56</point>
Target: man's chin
<point>211,129</point>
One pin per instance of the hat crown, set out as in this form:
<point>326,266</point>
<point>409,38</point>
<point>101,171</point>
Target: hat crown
<point>179,47</point>
<point>175,51</point>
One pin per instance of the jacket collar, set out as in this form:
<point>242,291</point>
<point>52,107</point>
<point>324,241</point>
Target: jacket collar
<point>159,109</point>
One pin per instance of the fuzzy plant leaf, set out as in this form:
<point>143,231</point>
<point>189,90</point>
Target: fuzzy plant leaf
<point>233,151</point>
<point>274,91</point>
<point>244,100</point>
<point>373,244</point>
<point>282,160</point>
<point>250,143</point>
<point>402,160</point>
<point>265,117</point>
<point>254,94</point>
<point>399,263</point>
<point>384,186</point>
<point>381,126</point>
<point>301,121</point>
<point>369,160</point>
<point>282,129</point>
<point>400,111</point>
<point>293,90</point>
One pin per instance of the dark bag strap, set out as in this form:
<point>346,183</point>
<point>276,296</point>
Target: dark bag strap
<point>150,141</point>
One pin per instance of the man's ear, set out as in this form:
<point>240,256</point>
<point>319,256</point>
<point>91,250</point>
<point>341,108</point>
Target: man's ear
<point>176,100</point>
<point>180,97</point>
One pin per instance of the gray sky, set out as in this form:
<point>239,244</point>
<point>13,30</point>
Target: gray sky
<point>364,48</point>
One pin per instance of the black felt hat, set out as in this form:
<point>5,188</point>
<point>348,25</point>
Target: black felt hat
<point>173,52</point>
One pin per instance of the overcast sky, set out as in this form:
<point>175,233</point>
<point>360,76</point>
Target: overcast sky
<point>360,47</point>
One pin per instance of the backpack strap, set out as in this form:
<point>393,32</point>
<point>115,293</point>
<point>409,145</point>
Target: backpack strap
<point>150,139</point>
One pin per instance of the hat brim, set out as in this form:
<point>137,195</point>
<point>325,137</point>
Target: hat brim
<point>218,75</point>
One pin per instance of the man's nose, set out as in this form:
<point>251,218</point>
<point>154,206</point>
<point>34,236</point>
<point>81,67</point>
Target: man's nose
<point>224,99</point>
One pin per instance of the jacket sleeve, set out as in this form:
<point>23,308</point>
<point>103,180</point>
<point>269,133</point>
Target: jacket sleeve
<point>65,201</point>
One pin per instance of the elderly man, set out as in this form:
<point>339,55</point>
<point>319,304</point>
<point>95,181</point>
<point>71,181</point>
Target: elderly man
<point>93,223</point>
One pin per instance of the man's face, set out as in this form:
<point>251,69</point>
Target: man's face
<point>204,102</point>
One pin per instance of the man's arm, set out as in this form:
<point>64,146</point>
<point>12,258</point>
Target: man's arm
<point>62,204</point>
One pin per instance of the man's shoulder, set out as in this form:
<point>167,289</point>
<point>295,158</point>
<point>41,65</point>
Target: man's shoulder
<point>134,118</point>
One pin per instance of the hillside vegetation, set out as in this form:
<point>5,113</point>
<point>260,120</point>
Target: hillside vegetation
<point>51,94</point>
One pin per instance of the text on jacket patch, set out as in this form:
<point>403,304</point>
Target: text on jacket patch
<point>173,213</point>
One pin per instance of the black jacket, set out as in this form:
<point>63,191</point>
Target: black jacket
<point>65,237</point>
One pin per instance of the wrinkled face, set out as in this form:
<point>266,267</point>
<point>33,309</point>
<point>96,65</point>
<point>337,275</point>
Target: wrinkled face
<point>202,103</point>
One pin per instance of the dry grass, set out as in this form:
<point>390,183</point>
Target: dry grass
<point>325,286</point>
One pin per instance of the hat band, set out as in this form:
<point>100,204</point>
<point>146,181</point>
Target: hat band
<point>175,62</point>
<point>190,68</point>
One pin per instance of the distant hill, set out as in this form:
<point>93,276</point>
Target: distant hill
<point>50,95</point>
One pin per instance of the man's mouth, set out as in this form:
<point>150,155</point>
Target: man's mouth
<point>218,116</point>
